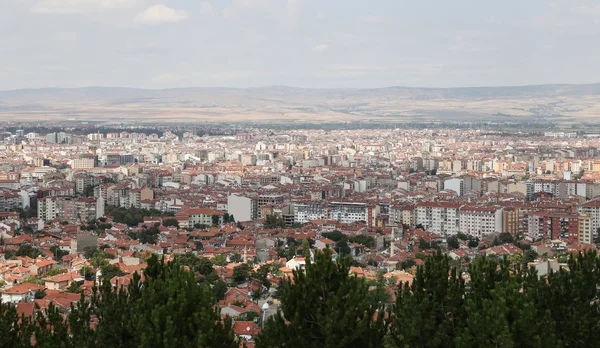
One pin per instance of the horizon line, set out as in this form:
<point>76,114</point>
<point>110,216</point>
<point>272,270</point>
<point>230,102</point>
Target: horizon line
<point>293,87</point>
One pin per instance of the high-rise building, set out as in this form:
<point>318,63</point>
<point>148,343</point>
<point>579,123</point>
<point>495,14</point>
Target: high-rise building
<point>51,138</point>
<point>242,208</point>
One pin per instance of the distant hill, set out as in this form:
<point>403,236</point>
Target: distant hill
<point>552,102</point>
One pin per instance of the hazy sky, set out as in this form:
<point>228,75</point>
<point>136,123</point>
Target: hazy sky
<point>304,43</point>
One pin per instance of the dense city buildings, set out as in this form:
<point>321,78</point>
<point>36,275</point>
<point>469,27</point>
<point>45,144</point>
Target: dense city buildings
<point>384,198</point>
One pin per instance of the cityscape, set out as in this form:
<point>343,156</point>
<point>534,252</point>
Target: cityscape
<point>299,173</point>
<point>84,205</point>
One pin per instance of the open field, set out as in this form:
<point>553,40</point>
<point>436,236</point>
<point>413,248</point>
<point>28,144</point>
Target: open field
<point>267,104</point>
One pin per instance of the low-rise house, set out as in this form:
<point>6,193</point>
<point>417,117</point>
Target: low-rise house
<point>21,292</point>
<point>296,263</point>
<point>41,267</point>
<point>62,281</point>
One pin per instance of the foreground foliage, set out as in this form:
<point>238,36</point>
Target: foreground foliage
<point>494,305</point>
<point>168,309</point>
<point>325,307</point>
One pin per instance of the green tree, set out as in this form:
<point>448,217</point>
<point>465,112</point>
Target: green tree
<point>29,251</point>
<point>74,287</point>
<point>530,256</point>
<point>32,279</point>
<point>58,253</point>
<point>324,307</point>
<point>89,251</point>
<point>473,243</point>
<point>109,272</point>
<point>505,237</point>
<point>87,273</point>
<point>436,294</point>
<point>39,294</point>
<point>171,222</point>
<point>453,243</point>
<point>170,310</point>
<point>219,260</point>
<point>235,257</point>
<point>54,271</point>
<point>407,263</point>
<point>571,298</point>
<point>423,244</point>
<point>341,247</point>
<point>197,264</point>
<point>273,221</point>
<point>367,241</point>
<point>305,249</point>
<point>241,272</point>
<point>219,288</point>
<point>335,236</point>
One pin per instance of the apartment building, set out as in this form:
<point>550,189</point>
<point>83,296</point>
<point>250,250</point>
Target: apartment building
<point>513,220</point>
<point>592,208</point>
<point>82,181</point>
<point>552,225</point>
<point>455,184</point>
<point>70,209</point>
<point>243,208</point>
<point>198,216</point>
<point>479,221</point>
<point>438,217</point>
<point>136,196</point>
<point>351,212</point>
<point>307,211</point>
<point>268,200</point>
<point>585,233</point>
<point>10,201</point>
<point>83,163</point>
<point>537,186</point>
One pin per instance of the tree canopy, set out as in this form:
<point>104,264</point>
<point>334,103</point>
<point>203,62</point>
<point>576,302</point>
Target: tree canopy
<point>325,307</point>
<point>170,310</point>
<point>495,304</point>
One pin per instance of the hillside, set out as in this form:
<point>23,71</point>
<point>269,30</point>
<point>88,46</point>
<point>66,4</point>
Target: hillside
<point>397,104</point>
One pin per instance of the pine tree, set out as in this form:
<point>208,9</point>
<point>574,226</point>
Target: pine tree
<point>572,298</point>
<point>325,306</point>
<point>429,312</point>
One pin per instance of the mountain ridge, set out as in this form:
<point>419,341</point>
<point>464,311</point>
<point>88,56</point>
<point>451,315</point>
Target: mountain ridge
<point>394,103</point>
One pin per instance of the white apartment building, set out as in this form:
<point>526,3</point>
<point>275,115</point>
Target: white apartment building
<point>552,187</point>
<point>242,208</point>
<point>455,184</point>
<point>48,208</point>
<point>480,221</point>
<point>307,211</point>
<point>351,212</point>
<point>438,217</point>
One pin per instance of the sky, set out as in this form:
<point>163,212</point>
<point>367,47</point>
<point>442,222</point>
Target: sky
<point>301,43</point>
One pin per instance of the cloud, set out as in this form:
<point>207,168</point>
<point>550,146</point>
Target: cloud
<point>159,14</point>
<point>286,11</point>
<point>320,48</point>
<point>207,8</point>
<point>352,70</point>
<point>590,11</point>
<point>80,6</point>
<point>494,20</point>
<point>166,78</point>
<point>372,19</point>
